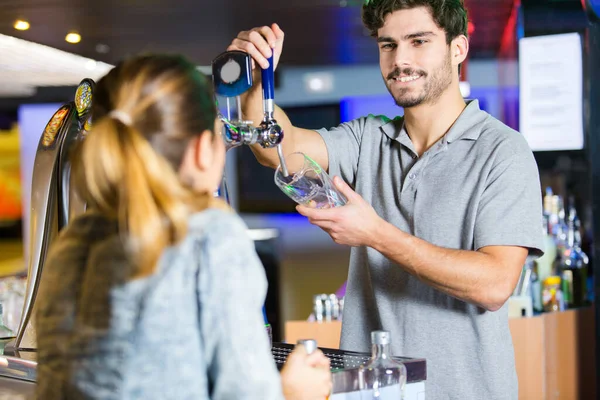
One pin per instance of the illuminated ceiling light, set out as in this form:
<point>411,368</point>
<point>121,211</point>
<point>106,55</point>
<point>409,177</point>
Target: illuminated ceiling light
<point>21,25</point>
<point>25,66</point>
<point>73,37</point>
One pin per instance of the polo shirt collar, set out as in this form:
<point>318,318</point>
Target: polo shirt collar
<point>464,128</point>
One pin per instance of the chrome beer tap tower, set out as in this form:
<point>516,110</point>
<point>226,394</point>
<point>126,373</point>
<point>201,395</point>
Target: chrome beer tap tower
<point>54,200</point>
<point>232,76</point>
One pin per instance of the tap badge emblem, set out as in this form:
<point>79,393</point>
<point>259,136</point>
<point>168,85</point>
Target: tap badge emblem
<point>83,98</point>
<point>49,135</point>
<point>230,72</point>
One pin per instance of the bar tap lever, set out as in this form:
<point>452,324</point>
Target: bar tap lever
<point>271,132</point>
<point>232,76</point>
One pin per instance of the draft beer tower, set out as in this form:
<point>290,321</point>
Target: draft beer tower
<point>54,201</point>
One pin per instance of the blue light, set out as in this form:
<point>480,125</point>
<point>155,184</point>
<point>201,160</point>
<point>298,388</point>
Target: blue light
<point>353,107</point>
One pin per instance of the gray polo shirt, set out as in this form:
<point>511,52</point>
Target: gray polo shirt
<point>477,186</point>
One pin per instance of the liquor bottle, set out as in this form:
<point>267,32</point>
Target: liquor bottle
<point>546,262</point>
<point>559,228</point>
<point>548,198</point>
<point>382,378</point>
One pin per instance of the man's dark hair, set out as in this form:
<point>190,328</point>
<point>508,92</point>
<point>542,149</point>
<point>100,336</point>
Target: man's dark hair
<point>449,15</point>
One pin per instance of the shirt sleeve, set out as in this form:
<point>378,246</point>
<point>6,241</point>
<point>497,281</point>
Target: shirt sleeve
<point>233,289</point>
<point>343,148</point>
<point>510,208</point>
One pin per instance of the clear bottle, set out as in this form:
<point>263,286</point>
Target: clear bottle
<point>546,262</point>
<point>574,264</point>
<point>382,378</point>
<point>559,228</point>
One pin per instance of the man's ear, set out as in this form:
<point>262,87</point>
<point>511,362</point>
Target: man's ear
<point>459,49</point>
<point>204,154</point>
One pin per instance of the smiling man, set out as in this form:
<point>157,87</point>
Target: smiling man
<point>446,203</point>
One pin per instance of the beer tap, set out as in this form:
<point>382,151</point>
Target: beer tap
<point>232,76</point>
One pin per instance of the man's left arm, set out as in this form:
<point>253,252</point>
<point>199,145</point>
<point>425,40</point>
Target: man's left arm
<point>486,277</point>
<point>507,226</point>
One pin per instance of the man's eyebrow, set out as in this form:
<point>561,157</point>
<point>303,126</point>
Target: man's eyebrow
<point>386,39</point>
<point>418,35</point>
<point>389,39</point>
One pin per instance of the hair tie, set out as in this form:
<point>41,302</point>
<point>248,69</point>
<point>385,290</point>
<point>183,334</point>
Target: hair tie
<point>121,116</point>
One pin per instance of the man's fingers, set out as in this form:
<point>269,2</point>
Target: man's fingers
<point>269,35</point>
<point>279,35</point>
<point>318,359</point>
<point>319,214</point>
<point>327,226</point>
<point>345,189</point>
<point>261,43</point>
<point>251,49</point>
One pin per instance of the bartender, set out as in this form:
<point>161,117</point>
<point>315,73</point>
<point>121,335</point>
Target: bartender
<point>444,204</point>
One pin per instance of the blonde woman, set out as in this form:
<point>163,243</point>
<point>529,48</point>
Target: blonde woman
<point>156,291</point>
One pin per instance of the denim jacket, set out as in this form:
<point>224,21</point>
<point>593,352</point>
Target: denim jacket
<point>192,330</point>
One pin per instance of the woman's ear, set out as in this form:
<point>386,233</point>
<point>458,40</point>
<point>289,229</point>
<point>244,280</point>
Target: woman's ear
<point>203,154</point>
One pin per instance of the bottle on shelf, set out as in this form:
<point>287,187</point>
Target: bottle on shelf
<point>544,266</point>
<point>382,378</point>
<point>545,263</point>
<point>552,296</point>
<point>559,228</point>
<point>573,264</point>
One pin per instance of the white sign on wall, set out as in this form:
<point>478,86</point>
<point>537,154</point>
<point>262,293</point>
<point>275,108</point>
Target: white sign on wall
<point>551,92</point>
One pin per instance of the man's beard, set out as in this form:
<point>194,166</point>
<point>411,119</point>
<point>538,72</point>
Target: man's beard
<point>433,87</point>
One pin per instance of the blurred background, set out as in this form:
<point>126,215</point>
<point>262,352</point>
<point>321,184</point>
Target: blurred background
<point>328,74</point>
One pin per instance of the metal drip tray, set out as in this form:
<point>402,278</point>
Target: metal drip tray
<point>351,360</point>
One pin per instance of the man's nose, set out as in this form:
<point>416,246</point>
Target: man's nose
<point>402,58</point>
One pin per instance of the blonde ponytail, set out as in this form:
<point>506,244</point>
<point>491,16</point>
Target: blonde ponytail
<point>146,111</point>
<point>125,178</point>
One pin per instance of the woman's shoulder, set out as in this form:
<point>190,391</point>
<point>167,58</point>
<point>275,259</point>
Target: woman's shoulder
<point>216,220</point>
<point>90,224</point>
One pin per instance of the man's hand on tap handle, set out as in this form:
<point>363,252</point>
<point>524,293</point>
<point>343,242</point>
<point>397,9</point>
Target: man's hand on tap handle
<point>260,43</point>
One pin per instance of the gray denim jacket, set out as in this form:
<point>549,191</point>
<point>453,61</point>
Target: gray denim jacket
<point>192,330</point>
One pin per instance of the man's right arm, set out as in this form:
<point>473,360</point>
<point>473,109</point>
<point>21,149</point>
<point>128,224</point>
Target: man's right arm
<point>260,44</point>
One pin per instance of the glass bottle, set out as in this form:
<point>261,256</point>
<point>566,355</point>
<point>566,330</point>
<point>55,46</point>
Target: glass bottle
<point>382,378</point>
<point>573,265</point>
<point>552,296</point>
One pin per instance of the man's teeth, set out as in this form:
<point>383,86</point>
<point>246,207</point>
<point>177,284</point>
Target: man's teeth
<point>408,78</point>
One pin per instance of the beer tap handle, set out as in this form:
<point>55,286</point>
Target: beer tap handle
<point>272,134</point>
<point>268,86</point>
